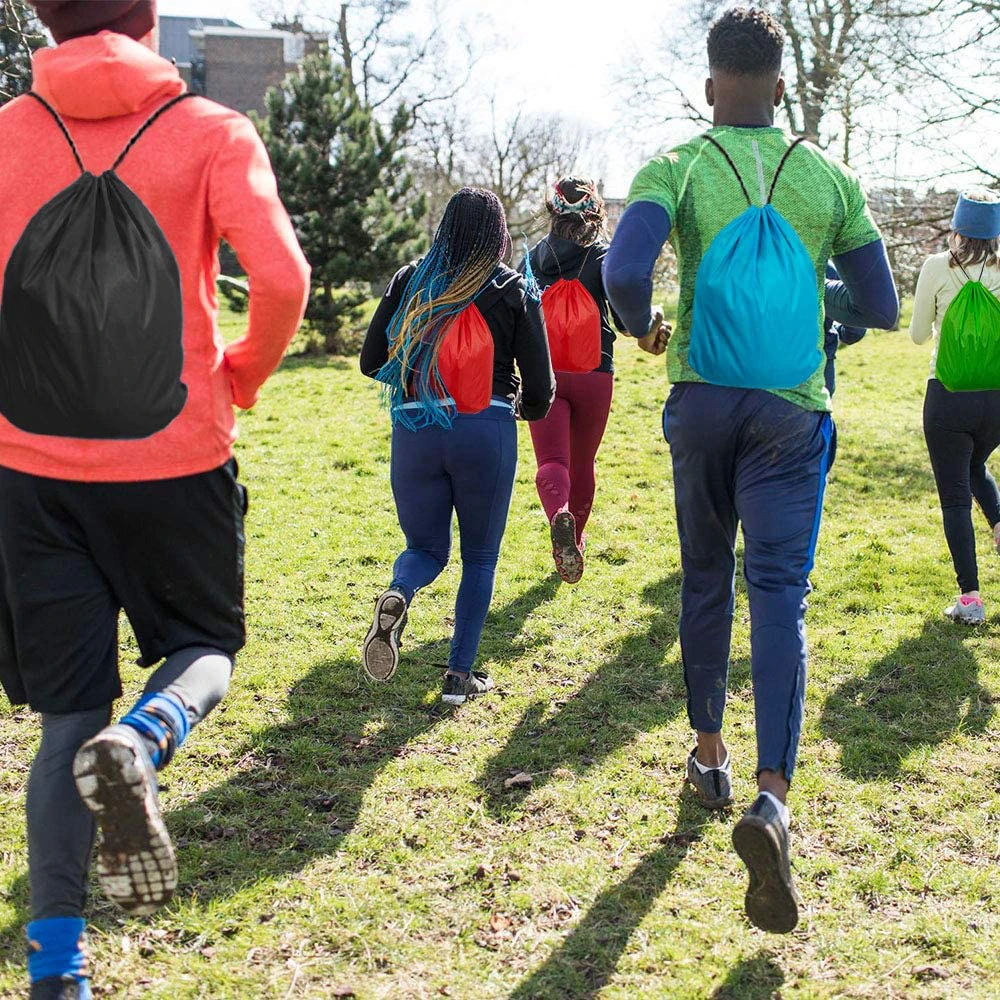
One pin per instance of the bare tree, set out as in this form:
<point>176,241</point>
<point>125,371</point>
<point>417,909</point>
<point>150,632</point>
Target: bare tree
<point>20,35</point>
<point>837,54</point>
<point>521,157</point>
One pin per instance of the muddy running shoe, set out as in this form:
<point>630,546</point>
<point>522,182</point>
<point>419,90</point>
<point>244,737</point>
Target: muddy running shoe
<point>380,652</point>
<point>967,610</point>
<point>565,551</point>
<point>714,786</point>
<point>761,840</point>
<point>117,782</point>
<point>459,688</point>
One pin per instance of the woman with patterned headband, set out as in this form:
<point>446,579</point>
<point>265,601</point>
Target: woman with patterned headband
<point>444,341</point>
<point>567,266</point>
<point>956,304</point>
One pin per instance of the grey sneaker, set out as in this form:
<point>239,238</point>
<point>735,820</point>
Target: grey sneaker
<point>380,652</point>
<point>967,610</point>
<point>761,840</point>
<point>117,782</point>
<point>459,688</point>
<point>715,786</point>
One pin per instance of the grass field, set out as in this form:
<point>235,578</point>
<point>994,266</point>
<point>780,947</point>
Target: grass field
<point>340,840</point>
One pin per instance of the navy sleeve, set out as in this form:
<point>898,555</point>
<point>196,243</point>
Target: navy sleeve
<point>628,266</point>
<point>866,294</point>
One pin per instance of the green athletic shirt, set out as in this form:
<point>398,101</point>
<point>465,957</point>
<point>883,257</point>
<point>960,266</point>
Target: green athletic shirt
<point>821,199</point>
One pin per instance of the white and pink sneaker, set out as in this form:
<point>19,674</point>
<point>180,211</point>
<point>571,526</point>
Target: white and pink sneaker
<point>968,610</point>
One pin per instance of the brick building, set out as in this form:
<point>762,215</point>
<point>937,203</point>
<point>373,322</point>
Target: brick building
<point>232,65</point>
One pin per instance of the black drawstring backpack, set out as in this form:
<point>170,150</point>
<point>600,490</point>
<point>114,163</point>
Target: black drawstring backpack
<point>91,319</point>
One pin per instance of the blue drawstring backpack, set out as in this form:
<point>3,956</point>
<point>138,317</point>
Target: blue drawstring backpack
<point>756,303</point>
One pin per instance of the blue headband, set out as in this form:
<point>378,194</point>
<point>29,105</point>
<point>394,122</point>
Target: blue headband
<point>979,220</point>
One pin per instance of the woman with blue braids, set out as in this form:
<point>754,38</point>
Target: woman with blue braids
<point>444,341</point>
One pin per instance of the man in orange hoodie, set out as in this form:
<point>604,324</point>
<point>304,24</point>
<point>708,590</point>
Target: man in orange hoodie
<point>92,523</point>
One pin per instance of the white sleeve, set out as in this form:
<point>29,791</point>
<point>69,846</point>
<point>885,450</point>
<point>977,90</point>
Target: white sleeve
<point>924,305</point>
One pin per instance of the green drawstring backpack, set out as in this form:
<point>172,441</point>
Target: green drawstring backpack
<point>968,357</point>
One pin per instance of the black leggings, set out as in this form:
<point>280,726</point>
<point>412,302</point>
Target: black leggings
<point>60,827</point>
<point>962,429</point>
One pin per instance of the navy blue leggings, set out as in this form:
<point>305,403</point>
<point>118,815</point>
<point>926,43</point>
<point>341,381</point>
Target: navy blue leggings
<point>468,469</point>
<point>747,456</point>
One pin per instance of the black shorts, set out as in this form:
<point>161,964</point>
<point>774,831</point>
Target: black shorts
<point>72,555</point>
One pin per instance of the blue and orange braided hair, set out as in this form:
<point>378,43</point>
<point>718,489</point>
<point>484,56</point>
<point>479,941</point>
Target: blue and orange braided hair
<point>469,243</point>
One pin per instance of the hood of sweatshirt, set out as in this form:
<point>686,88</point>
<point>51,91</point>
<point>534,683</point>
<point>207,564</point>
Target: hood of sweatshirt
<point>557,256</point>
<point>103,76</point>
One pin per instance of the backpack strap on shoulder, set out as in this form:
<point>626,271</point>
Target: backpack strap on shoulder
<point>62,128</point>
<point>781,164</point>
<point>718,146</point>
<point>961,267</point>
<point>149,121</point>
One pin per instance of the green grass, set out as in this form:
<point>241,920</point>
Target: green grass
<point>333,836</point>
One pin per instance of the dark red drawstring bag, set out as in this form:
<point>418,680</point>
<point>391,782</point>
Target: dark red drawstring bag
<point>466,361</point>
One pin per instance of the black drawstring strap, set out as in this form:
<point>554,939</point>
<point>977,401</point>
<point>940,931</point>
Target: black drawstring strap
<point>743,186</point>
<point>72,145</point>
<point>968,277</point>
<point>166,107</point>
<point>781,163</point>
<point>62,128</point>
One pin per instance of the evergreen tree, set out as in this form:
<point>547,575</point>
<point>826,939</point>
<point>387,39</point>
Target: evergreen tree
<point>20,35</point>
<point>343,178</point>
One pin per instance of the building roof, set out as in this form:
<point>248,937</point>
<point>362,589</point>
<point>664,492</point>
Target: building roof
<point>175,35</point>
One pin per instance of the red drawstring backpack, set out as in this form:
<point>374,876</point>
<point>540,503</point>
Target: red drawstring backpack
<point>465,361</point>
<point>573,323</point>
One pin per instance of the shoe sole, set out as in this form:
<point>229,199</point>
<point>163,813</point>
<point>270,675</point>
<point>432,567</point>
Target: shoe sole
<point>771,903</point>
<point>962,620</point>
<point>565,551</point>
<point>380,652</point>
<point>136,864</point>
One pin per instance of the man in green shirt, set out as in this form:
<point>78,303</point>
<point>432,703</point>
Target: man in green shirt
<point>743,451</point>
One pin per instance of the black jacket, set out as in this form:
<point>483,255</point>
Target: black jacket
<point>553,258</point>
<point>518,329</point>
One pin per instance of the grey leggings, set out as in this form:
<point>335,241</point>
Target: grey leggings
<point>60,827</point>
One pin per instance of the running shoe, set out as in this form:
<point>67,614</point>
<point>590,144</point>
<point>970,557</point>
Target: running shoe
<point>380,652</point>
<point>761,840</point>
<point>714,786</point>
<point>117,782</point>
<point>565,551</point>
<point>459,688</point>
<point>967,610</point>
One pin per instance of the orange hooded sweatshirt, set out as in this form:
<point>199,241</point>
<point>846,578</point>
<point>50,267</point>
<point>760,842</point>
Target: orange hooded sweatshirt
<point>204,174</point>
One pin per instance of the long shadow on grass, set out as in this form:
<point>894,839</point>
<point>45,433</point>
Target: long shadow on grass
<point>625,695</point>
<point>302,782</point>
<point>919,695</point>
<point>585,962</point>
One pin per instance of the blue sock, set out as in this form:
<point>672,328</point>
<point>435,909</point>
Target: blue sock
<point>57,947</point>
<point>163,720</point>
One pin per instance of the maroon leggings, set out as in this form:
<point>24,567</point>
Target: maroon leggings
<point>566,443</point>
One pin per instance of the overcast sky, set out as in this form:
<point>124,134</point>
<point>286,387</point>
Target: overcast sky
<point>545,55</point>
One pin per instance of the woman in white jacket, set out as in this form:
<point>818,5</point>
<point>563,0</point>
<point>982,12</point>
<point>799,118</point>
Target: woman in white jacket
<point>962,428</point>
